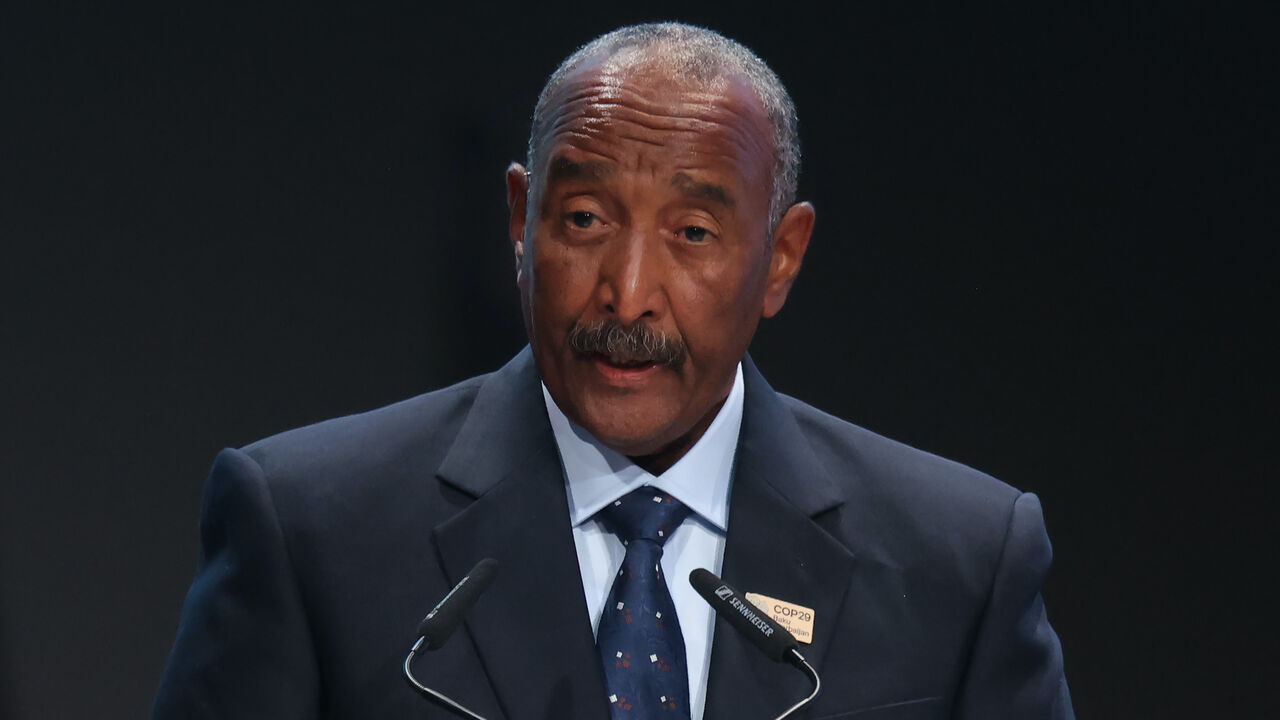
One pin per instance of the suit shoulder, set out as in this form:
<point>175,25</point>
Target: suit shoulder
<point>912,495</point>
<point>398,435</point>
<point>840,437</point>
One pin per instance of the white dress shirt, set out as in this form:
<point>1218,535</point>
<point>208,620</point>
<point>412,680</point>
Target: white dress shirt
<point>595,476</point>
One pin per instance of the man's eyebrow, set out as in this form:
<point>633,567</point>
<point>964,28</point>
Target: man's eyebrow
<point>562,168</point>
<point>706,191</point>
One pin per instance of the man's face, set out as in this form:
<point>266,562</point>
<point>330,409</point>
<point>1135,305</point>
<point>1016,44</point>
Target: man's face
<point>650,208</point>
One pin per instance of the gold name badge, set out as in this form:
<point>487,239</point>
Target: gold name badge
<point>797,619</point>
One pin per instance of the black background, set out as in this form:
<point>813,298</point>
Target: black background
<point>1043,249</point>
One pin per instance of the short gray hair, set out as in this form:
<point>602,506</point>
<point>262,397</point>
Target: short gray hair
<point>704,55</point>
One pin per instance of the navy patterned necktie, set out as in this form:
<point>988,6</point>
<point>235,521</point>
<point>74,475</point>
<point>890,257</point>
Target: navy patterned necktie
<point>639,636</point>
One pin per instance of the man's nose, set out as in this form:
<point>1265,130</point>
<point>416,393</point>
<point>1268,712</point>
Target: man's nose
<point>632,276</point>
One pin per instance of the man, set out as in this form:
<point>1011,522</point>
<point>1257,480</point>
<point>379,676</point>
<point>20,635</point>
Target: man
<point>653,228</point>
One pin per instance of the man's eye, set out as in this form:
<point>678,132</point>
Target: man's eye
<point>695,234</point>
<point>582,219</point>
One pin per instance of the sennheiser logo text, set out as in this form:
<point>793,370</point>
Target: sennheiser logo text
<point>751,617</point>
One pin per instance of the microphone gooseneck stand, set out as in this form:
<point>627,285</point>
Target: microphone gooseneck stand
<point>440,623</point>
<point>437,696</point>
<point>798,660</point>
<point>766,635</point>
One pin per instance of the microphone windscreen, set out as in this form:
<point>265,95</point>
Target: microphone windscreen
<point>440,623</point>
<point>772,639</point>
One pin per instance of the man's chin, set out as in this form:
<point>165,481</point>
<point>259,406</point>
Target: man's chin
<point>629,431</point>
<point>647,421</point>
<point>653,449</point>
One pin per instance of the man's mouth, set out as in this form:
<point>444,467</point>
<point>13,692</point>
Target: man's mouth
<point>624,370</point>
<point>623,361</point>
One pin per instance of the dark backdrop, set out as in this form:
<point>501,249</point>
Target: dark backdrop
<point>1043,249</point>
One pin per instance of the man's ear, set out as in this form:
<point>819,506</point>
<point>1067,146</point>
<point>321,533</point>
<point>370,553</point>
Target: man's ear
<point>790,240</point>
<point>517,204</point>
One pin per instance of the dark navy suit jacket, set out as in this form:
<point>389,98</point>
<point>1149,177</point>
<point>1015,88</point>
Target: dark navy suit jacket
<point>323,547</point>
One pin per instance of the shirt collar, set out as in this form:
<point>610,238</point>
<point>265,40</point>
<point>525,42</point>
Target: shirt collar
<point>596,475</point>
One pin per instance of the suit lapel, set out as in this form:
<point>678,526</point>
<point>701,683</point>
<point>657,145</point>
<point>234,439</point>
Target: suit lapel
<point>775,548</point>
<point>531,629</point>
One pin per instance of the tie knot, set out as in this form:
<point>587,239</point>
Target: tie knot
<point>644,514</point>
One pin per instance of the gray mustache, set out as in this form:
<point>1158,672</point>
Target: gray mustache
<point>639,343</point>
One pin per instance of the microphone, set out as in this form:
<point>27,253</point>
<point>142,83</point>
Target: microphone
<point>771,638</point>
<point>444,618</point>
<point>439,624</point>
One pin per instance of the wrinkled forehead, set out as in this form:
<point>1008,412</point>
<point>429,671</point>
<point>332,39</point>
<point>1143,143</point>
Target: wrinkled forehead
<point>646,97</point>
